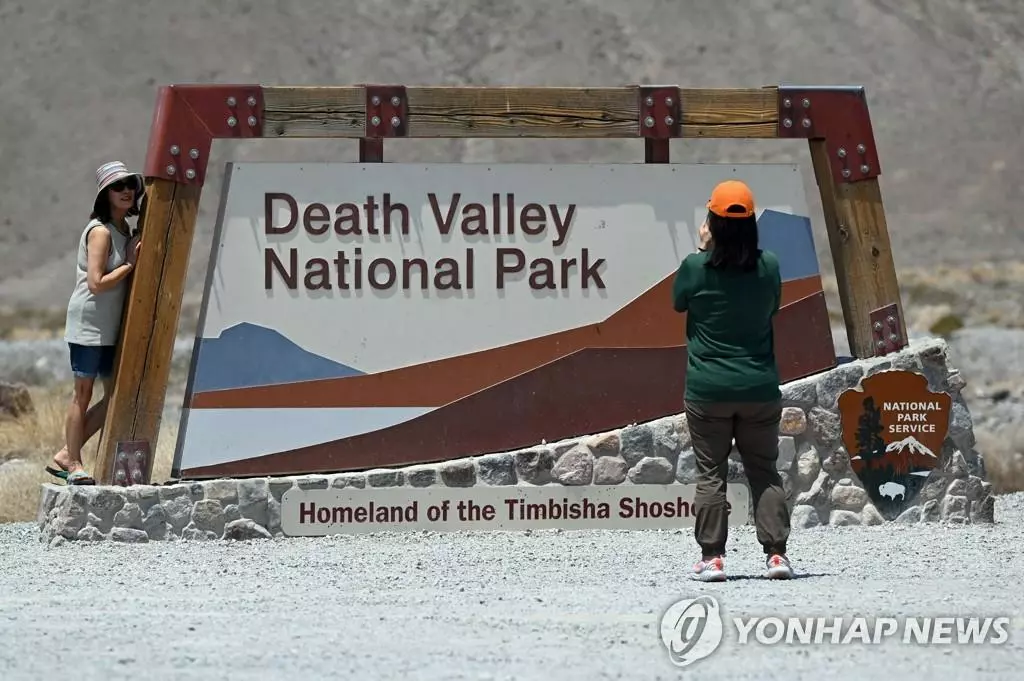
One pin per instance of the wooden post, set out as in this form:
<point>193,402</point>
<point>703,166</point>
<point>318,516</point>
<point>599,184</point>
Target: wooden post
<point>151,321</point>
<point>836,122</point>
<point>861,252</point>
<point>186,119</point>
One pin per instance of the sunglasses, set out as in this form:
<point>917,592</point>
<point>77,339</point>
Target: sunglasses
<point>121,185</point>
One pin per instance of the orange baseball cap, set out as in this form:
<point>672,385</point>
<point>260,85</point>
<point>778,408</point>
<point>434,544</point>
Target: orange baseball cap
<point>730,194</point>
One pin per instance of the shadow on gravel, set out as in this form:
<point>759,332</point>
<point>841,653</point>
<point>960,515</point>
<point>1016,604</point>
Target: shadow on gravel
<point>762,578</point>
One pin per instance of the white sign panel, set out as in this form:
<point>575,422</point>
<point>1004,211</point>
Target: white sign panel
<point>345,299</point>
<point>312,513</point>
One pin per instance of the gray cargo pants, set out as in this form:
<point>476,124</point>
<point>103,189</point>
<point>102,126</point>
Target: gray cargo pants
<point>755,428</point>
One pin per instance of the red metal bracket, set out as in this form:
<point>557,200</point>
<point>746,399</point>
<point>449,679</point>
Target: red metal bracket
<point>885,330</point>
<point>660,111</point>
<point>840,116</point>
<point>187,118</point>
<point>387,110</point>
<point>133,463</point>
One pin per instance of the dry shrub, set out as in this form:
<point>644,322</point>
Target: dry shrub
<point>1004,457</point>
<point>35,437</point>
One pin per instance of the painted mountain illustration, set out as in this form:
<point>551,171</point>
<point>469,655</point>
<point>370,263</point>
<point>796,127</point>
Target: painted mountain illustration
<point>909,454</point>
<point>899,458</point>
<point>912,445</point>
<point>248,355</point>
<point>790,238</point>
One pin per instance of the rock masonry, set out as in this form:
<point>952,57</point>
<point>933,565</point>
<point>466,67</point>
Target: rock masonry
<point>821,486</point>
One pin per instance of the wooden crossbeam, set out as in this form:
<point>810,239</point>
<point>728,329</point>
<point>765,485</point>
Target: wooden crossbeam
<point>445,112</point>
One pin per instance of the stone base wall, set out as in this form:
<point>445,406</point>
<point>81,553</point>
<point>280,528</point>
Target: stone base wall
<point>821,486</point>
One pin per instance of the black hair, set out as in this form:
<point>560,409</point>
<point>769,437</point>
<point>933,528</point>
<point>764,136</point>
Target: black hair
<point>101,207</point>
<point>733,243</point>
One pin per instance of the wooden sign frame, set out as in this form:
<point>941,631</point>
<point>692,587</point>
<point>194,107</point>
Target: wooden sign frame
<point>187,118</point>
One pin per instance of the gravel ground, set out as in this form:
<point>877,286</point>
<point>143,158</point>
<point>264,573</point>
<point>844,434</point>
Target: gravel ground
<point>579,605</point>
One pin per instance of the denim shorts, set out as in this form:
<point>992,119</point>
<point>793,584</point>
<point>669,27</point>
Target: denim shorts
<point>91,361</point>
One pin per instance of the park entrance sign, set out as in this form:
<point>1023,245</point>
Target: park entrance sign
<point>361,315</point>
<point>391,314</point>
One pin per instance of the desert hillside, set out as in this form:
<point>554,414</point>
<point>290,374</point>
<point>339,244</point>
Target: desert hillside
<point>945,81</point>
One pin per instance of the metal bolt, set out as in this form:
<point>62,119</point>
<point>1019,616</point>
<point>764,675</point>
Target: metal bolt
<point>252,121</point>
<point>375,100</point>
<point>878,326</point>
<point>861,149</point>
<point>170,170</point>
<point>846,172</point>
<point>787,123</point>
<point>865,168</point>
<point>806,122</point>
<point>122,457</point>
<point>190,174</point>
<point>880,345</point>
<point>893,337</point>
<point>649,101</point>
<point>120,475</point>
<point>139,456</point>
<point>231,101</point>
<point>668,101</point>
<point>649,121</point>
<point>137,476</point>
<point>807,103</point>
<point>842,152</point>
<point>174,150</point>
<point>194,154</point>
<point>787,102</point>
<point>251,101</point>
<point>375,120</point>
<point>669,120</point>
<point>395,121</point>
<point>395,101</point>
<point>890,319</point>
<point>232,121</point>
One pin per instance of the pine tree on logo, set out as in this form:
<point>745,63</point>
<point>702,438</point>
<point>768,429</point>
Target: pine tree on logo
<point>870,445</point>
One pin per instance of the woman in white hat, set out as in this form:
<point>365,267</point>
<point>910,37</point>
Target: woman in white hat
<point>107,252</point>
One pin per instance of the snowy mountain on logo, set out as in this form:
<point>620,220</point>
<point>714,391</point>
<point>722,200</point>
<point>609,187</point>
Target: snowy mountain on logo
<point>912,446</point>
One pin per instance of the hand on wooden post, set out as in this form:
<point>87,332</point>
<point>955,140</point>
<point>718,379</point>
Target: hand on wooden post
<point>134,246</point>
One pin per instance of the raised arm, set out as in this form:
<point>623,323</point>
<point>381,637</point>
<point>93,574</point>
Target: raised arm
<point>681,288</point>
<point>97,247</point>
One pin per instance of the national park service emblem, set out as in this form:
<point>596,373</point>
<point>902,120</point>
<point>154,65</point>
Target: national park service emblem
<point>893,429</point>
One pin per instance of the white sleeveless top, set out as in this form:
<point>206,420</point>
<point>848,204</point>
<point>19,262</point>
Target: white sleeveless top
<point>95,318</point>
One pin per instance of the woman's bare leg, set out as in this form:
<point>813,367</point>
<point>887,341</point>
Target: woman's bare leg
<point>74,423</point>
<point>95,416</point>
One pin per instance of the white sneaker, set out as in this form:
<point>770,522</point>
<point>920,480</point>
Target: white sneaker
<point>778,567</point>
<point>710,570</point>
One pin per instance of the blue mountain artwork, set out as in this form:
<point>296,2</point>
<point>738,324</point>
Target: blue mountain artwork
<point>790,238</point>
<point>247,355</point>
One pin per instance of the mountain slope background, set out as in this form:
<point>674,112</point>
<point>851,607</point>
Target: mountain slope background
<point>944,79</point>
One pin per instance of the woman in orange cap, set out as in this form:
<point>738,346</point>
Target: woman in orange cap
<point>731,290</point>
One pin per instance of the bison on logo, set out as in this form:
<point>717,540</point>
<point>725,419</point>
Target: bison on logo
<point>893,429</point>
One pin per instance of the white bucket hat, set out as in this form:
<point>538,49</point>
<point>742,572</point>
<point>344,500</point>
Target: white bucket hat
<point>113,171</point>
<point>109,173</point>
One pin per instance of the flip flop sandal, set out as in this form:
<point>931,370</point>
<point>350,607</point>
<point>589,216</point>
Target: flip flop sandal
<point>57,472</point>
<point>80,478</point>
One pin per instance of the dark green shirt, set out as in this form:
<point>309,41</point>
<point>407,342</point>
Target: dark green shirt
<point>729,336</point>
